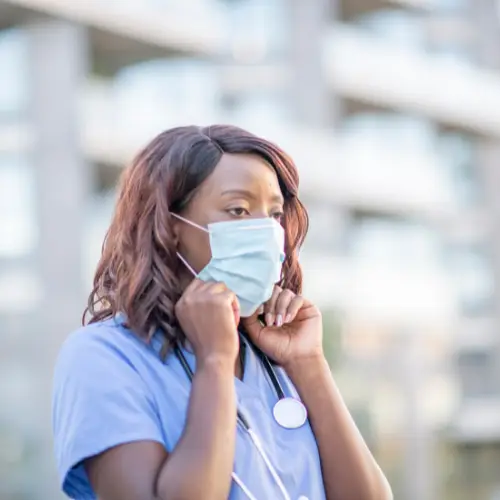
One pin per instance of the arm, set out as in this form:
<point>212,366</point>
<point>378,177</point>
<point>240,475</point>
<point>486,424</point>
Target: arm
<point>108,437</point>
<point>349,470</point>
<point>200,465</point>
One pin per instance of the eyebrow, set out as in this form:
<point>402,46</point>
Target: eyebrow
<point>248,194</point>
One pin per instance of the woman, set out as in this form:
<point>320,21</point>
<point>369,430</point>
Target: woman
<point>169,392</point>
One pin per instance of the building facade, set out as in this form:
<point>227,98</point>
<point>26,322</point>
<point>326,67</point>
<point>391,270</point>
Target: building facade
<point>392,112</point>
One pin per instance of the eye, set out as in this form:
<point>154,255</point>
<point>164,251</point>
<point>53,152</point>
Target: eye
<point>277,215</point>
<point>238,211</point>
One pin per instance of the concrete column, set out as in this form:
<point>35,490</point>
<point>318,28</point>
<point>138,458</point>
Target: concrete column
<point>58,62</point>
<point>59,67</point>
<point>488,161</point>
<point>486,14</point>
<point>312,100</point>
<point>487,23</point>
<point>419,481</point>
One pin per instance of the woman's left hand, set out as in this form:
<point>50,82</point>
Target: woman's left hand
<point>293,329</point>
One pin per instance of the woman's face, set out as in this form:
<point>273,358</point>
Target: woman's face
<point>241,186</point>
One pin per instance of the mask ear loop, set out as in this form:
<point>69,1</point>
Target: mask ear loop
<point>185,262</point>
<point>190,222</point>
<point>197,226</point>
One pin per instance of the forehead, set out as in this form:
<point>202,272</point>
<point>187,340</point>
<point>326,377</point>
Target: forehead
<point>246,172</point>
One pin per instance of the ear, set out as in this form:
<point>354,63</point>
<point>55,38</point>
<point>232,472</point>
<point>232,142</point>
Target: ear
<point>175,224</point>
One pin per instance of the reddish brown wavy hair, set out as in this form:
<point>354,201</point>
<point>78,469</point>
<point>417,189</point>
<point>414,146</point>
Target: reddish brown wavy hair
<point>137,274</point>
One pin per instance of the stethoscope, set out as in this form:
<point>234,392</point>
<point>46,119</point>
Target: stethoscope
<point>288,412</point>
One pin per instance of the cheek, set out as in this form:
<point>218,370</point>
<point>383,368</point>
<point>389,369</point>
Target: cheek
<point>195,247</point>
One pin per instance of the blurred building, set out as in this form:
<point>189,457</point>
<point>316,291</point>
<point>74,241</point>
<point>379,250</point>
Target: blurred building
<point>65,124</point>
<point>399,171</point>
<point>392,112</point>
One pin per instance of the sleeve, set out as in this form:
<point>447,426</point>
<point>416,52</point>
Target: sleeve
<point>99,401</point>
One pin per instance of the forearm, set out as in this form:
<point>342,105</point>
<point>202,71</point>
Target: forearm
<point>201,464</point>
<point>349,470</point>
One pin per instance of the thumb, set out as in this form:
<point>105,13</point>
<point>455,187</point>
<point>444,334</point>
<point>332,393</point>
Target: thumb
<point>235,305</point>
<point>253,325</point>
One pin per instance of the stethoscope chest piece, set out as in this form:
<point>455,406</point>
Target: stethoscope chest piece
<point>290,413</point>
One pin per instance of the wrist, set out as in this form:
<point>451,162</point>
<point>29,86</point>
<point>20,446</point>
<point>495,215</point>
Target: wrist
<point>306,364</point>
<point>219,363</point>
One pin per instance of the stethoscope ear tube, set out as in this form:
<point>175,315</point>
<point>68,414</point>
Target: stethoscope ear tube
<point>187,369</point>
<point>244,422</point>
<point>265,361</point>
<point>270,371</point>
<point>284,409</point>
<point>185,365</point>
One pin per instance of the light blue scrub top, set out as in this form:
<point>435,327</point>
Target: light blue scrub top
<point>111,388</point>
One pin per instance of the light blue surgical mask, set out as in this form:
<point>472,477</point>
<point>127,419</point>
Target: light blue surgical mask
<point>247,255</point>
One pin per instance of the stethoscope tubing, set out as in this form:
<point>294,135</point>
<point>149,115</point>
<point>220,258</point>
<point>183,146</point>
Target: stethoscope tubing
<point>271,372</point>
<point>267,366</point>
<point>244,422</point>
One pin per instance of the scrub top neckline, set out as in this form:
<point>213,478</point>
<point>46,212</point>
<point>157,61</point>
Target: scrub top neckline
<point>249,359</point>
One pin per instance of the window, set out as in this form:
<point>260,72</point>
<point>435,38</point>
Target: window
<point>457,153</point>
<point>153,96</point>
<point>470,268</point>
<point>477,373</point>
<point>451,5</point>
<point>391,129</point>
<point>258,29</point>
<point>399,26</point>
<point>14,71</point>
<point>393,241</point>
<point>99,217</point>
<point>255,110</point>
<point>17,211</point>
<point>327,226</point>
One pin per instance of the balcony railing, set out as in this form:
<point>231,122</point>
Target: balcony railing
<point>347,171</point>
<point>135,26</point>
<point>366,68</point>
<point>379,293</point>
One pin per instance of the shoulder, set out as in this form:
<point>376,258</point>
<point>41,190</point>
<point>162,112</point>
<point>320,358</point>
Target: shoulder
<point>100,400</point>
<point>108,340</point>
<point>100,362</point>
<point>98,359</point>
<point>110,334</point>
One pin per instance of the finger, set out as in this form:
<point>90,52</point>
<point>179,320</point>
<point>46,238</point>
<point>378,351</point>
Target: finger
<point>270,306</point>
<point>195,284</point>
<point>228,297</point>
<point>293,308</point>
<point>252,326</point>
<point>216,287</point>
<point>221,293</point>
<point>193,288</point>
<point>235,304</point>
<point>284,300</point>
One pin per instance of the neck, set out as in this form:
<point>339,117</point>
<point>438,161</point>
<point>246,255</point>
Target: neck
<point>184,279</point>
<point>239,365</point>
<point>238,369</point>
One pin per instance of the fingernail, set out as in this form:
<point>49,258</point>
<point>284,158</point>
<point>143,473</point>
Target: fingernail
<point>269,319</point>
<point>279,320</point>
<point>288,318</point>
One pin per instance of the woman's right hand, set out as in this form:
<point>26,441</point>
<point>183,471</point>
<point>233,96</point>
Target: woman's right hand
<point>208,314</point>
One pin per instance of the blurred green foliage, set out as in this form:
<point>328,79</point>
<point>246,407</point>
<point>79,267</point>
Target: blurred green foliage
<point>332,337</point>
